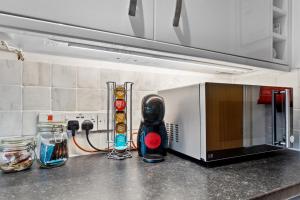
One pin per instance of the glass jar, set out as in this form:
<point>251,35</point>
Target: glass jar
<point>52,145</point>
<point>16,153</point>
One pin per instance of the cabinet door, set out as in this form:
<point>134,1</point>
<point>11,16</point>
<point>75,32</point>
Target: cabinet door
<point>254,22</point>
<point>105,15</point>
<point>235,27</point>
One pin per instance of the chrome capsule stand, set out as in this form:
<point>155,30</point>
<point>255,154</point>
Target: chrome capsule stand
<point>113,153</point>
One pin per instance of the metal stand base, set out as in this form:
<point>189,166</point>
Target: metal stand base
<point>114,154</point>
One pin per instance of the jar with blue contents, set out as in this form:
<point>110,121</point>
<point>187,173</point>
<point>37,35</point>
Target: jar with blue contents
<point>52,145</point>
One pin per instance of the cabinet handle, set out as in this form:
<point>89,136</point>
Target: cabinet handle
<point>177,13</point>
<point>132,7</point>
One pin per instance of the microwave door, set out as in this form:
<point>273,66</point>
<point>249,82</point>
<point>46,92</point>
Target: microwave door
<point>281,118</point>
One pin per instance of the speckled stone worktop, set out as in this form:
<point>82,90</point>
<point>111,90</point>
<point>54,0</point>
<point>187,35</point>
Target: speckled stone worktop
<point>95,177</point>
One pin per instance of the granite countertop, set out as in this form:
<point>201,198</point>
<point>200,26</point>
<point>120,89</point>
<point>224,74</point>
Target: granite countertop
<point>95,177</point>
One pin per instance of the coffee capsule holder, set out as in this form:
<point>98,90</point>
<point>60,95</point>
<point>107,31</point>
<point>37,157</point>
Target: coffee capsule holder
<point>113,136</point>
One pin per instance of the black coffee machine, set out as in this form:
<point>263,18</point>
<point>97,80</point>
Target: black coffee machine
<point>152,137</point>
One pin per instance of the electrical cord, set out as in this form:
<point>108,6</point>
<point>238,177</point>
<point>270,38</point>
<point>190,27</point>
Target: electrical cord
<point>4,46</point>
<point>134,146</point>
<point>97,149</point>
<point>88,140</point>
<point>81,148</point>
<point>87,125</point>
<point>132,142</point>
<point>73,125</point>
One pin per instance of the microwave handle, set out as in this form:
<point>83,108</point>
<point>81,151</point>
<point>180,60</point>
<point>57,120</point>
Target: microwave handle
<point>274,117</point>
<point>286,94</point>
<point>287,118</point>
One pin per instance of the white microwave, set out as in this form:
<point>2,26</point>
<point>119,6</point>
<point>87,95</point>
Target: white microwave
<point>216,121</point>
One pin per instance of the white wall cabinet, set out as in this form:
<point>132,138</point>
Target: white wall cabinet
<point>237,31</point>
<point>236,27</point>
<point>254,29</point>
<point>105,15</point>
<point>204,24</point>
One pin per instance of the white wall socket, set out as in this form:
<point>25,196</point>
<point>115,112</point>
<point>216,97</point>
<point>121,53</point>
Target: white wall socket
<point>102,125</point>
<point>102,121</point>
<point>50,117</point>
<point>83,116</point>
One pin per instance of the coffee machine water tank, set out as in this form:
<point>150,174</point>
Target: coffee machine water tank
<point>152,136</point>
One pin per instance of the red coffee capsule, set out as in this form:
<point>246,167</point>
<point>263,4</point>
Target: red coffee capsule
<point>120,104</point>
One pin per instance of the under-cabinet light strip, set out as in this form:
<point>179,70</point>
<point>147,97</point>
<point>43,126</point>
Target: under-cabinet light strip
<point>115,48</point>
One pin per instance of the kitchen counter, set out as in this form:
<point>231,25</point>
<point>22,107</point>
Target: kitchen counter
<point>95,177</point>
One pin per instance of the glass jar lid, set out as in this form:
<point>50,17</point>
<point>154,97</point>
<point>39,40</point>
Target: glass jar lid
<point>16,143</point>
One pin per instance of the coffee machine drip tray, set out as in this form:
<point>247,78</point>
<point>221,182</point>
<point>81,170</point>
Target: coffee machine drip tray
<point>241,152</point>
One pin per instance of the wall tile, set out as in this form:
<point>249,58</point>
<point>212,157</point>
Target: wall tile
<point>138,97</point>
<point>296,98</point>
<point>10,72</point>
<point>10,124</point>
<point>10,97</point>
<point>136,119</point>
<point>297,139</point>
<point>134,77</point>
<point>89,100</point>
<point>109,75</point>
<point>30,119</point>
<point>174,81</point>
<point>87,77</point>
<point>147,82</point>
<point>36,74</point>
<point>288,79</point>
<point>63,99</point>
<point>36,98</point>
<point>296,119</point>
<point>258,78</point>
<point>63,76</point>
<point>103,99</point>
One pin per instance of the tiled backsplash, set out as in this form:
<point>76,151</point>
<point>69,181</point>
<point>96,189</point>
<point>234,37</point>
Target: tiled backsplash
<point>28,88</point>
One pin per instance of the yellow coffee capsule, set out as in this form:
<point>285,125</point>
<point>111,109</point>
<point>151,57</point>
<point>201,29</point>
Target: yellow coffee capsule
<point>120,92</point>
<point>121,128</point>
<point>120,117</point>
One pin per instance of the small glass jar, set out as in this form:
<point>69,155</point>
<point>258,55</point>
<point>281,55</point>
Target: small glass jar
<point>16,153</point>
<point>52,145</point>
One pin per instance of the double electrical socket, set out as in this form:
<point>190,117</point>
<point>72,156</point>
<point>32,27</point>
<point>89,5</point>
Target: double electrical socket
<point>98,119</point>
